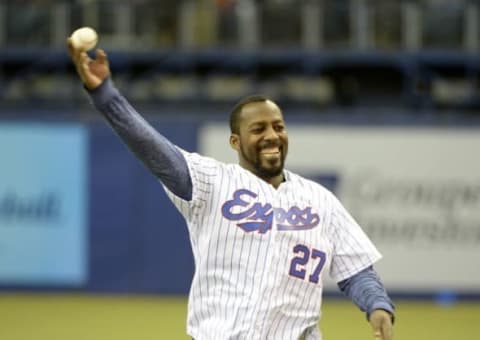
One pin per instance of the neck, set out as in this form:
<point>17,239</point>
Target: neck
<point>275,181</point>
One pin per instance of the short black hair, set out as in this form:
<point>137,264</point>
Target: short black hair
<point>237,109</point>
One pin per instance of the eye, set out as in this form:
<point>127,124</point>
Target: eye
<point>256,130</point>
<point>279,128</point>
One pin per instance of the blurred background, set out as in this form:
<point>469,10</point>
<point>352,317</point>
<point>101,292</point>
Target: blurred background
<point>383,105</point>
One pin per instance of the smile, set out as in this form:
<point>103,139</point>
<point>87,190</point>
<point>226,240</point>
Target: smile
<point>270,151</point>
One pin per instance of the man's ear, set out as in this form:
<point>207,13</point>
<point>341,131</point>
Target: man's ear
<point>235,141</point>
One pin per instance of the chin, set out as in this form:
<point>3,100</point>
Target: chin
<point>269,172</point>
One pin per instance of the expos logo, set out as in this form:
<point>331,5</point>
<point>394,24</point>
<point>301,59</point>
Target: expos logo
<point>259,217</point>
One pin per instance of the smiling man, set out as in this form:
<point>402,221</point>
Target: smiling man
<point>259,135</point>
<point>262,237</point>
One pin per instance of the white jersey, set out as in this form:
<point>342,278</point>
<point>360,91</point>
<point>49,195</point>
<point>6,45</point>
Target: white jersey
<point>260,253</point>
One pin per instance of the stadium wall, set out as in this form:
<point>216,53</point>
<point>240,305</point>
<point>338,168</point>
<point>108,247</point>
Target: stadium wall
<point>87,216</point>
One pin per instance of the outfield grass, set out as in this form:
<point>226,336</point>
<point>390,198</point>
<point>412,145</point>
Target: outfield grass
<point>79,317</point>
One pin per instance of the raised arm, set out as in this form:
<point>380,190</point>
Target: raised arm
<point>160,156</point>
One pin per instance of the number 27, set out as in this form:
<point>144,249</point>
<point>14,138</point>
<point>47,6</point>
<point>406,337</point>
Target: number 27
<point>304,254</point>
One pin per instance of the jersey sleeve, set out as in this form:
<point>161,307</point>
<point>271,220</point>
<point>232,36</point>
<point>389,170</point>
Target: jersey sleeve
<point>203,171</point>
<point>353,251</point>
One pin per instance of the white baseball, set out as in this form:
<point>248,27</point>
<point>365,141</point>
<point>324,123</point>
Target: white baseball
<point>84,38</point>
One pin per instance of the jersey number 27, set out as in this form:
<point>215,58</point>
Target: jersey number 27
<point>303,255</point>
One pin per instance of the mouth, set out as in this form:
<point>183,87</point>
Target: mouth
<point>269,159</point>
<point>271,150</point>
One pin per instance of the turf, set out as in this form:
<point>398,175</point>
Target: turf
<point>75,317</point>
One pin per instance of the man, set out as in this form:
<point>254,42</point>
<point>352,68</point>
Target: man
<point>262,237</point>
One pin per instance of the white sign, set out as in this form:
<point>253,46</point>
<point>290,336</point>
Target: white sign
<point>415,191</point>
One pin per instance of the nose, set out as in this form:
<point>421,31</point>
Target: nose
<point>270,134</point>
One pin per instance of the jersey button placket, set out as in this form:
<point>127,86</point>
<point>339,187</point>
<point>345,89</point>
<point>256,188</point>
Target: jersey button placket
<point>269,291</point>
<point>268,283</point>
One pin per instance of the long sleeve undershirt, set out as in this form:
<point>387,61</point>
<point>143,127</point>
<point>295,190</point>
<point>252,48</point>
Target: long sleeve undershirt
<point>367,291</point>
<point>159,155</point>
<point>168,164</point>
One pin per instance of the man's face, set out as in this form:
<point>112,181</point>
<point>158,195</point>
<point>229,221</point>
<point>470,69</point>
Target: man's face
<point>262,141</point>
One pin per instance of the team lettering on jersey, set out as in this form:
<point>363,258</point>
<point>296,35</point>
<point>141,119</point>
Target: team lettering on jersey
<point>255,216</point>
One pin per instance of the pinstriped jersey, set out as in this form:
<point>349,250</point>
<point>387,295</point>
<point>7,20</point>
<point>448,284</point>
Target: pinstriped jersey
<point>260,253</point>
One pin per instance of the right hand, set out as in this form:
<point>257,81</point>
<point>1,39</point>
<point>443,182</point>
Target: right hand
<point>92,72</point>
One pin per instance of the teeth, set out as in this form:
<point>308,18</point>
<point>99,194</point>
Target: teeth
<point>271,150</point>
<point>267,153</point>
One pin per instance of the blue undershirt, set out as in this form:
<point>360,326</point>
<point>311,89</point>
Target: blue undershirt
<point>167,163</point>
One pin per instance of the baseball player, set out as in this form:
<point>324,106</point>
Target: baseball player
<point>262,237</point>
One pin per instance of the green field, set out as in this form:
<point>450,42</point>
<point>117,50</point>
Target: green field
<point>75,317</point>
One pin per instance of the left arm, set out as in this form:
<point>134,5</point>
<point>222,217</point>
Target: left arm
<point>353,257</point>
<point>368,293</point>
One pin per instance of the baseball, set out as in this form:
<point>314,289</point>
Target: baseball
<point>84,38</point>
